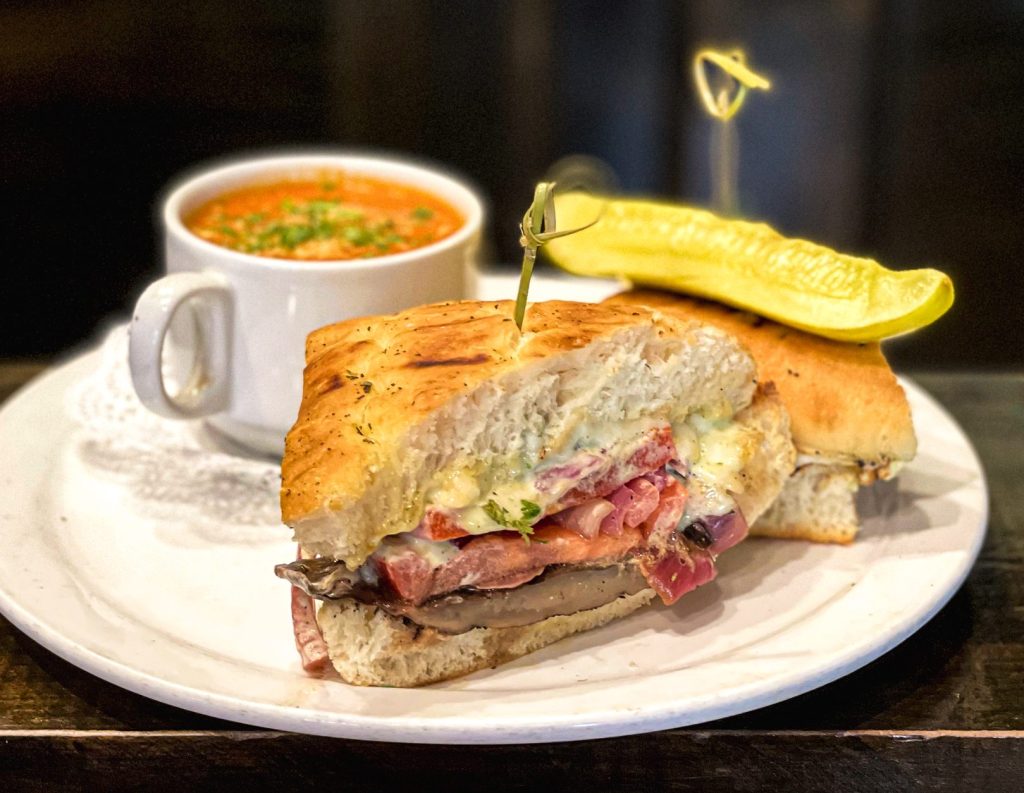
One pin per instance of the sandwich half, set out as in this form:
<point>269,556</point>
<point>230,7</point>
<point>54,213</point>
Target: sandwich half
<point>850,418</point>
<point>464,492</point>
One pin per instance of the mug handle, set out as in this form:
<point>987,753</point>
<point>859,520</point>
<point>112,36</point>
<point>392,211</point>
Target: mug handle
<point>206,390</point>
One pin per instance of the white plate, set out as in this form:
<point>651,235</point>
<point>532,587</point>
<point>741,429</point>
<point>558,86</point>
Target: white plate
<point>149,565</point>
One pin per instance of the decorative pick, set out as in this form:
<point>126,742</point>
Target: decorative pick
<point>538,227</point>
<point>724,105</point>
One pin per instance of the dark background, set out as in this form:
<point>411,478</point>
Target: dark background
<point>895,129</point>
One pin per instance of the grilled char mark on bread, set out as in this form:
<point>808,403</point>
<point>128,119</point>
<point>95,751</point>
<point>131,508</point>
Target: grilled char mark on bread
<point>361,457</point>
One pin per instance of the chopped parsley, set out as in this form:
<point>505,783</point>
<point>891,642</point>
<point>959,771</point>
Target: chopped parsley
<point>358,235</point>
<point>324,219</point>
<point>366,386</point>
<point>300,221</point>
<point>528,513</point>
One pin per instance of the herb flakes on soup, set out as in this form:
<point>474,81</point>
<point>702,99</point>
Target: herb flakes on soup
<point>336,216</point>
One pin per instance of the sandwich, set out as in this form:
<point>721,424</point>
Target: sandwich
<point>849,417</point>
<point>464,492</point>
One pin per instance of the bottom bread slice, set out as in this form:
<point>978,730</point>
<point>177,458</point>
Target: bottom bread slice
<point>817,503</point>
<point>369,647</point>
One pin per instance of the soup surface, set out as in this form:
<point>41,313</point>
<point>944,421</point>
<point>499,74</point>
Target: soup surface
<point>335,216</point>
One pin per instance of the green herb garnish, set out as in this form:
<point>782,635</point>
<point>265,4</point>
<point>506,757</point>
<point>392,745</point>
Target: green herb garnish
<point>423,213</point>
<point>293,236</point>
<point>320,206</point>
<point>323,219</point>
<point>528,513</point>
<point>364,433</point>
<point>358,236</point>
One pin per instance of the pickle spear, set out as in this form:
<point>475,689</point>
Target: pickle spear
<point>747,265</point>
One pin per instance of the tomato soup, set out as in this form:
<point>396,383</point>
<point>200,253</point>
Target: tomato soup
<point>335,216</point>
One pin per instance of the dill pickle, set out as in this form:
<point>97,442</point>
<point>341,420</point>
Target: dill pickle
<point>746,265</point>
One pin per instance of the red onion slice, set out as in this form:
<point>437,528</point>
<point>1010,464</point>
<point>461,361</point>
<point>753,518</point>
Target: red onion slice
<point>585,519</point>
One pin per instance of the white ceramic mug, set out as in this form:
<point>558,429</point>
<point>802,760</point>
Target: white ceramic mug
<point>240,321</point>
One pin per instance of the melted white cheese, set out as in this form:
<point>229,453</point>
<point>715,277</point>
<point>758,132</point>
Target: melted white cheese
<point>724,450</point>
<point>458,488</point>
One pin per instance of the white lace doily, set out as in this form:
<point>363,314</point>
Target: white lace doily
<point>176,471</point>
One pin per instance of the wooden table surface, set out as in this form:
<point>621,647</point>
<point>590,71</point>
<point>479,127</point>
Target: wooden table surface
<point>943,711</point>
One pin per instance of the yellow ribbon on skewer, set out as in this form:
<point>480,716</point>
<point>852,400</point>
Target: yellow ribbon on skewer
<point>723,106</point>
<point>733,64</point>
